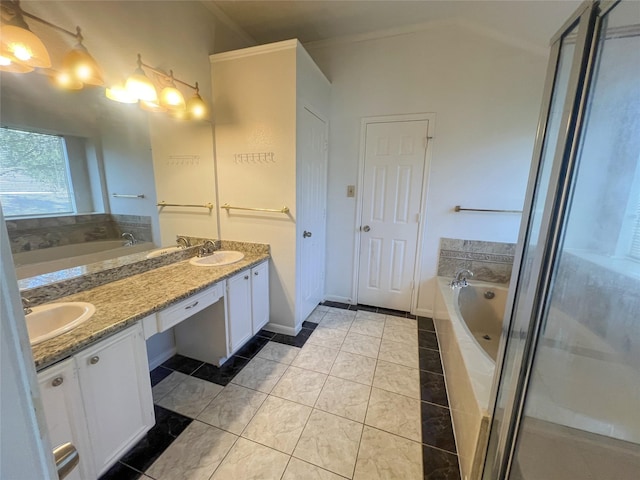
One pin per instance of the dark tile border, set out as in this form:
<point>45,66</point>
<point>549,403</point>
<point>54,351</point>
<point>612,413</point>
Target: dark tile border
<point>182,364</point>
<point>224,374</point>
<point>120,471</point>
<point>439,457</point>
<point>369,308</point>
<point>439,465</point>
<point>167,428</point>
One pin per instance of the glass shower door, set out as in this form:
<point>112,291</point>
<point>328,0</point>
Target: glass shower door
<point>582,410</point>
<point>568,402</point>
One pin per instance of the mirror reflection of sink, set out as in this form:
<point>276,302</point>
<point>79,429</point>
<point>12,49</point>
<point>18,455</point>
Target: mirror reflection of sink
<point>217,259</point>
<point>53,319</point>
<point>162,251</point>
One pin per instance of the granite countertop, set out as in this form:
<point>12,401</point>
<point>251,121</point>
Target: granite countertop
<point>121,303</point>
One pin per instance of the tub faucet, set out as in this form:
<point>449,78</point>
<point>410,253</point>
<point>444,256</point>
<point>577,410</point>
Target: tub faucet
<point>131,240</point>
<point>460,278</point>
<point>25,305</point>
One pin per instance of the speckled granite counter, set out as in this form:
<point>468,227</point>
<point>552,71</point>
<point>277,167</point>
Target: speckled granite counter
<point>123,302</point>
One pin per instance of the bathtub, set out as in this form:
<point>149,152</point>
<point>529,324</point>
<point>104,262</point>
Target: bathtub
<point>469,325</point>
<point>46,260</point>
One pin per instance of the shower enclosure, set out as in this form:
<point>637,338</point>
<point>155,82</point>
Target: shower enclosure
<point>567,393</point>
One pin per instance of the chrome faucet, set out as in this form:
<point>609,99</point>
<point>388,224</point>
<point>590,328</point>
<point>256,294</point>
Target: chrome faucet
<point>131,240</point>
<point>207,248</point>
<point>460,278</point>
<point>183,242</point>
<point>25,305</point>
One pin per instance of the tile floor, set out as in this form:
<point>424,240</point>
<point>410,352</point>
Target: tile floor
<point>358,393</point>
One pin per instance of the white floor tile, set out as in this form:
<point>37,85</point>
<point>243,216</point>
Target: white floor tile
<point>233,408</point>
<point>190,396</point>
<point>330,442</point>
<point>386,456</point>
<point>344,398</point>
<point>195,454</point>
<point>248,460</point>
<point>278,424</point>
<point>300,385</point>
<point>354,367</point>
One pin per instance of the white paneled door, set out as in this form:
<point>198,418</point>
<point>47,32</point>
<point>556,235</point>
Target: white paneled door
<point>392,190</point>
<point>312,195</point>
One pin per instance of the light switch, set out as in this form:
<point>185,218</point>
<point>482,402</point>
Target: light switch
<point>351,190</point>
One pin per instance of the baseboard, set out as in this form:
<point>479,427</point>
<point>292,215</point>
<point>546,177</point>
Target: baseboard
<point>274,327</point>
<point>336,298</point>
<point>161,358</point>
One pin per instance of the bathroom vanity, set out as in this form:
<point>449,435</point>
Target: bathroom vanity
<point>95,379</point>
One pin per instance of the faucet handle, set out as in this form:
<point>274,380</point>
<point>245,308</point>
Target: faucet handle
<point>183,242</point>
<point>25,305</point>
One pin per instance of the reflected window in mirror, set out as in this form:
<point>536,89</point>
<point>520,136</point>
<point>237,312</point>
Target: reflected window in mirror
<point>43,174</point>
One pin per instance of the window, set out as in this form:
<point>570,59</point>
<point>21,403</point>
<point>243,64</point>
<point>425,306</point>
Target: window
<point>634,249</point>
<point>34,174</point>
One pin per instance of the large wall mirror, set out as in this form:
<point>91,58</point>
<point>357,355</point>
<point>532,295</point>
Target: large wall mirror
<point>78,170</point>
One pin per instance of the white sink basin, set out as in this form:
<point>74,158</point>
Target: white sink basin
<point>217,259</point>
<point>48,321</point>
<point>162,251</point>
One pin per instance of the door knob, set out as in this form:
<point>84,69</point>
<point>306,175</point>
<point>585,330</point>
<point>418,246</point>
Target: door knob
<point>366,228</point>
<point>306,234</point>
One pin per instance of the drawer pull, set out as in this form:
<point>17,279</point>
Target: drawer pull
<point>191,306</point>
<point>56,382</point>
<point>94,360</point>
<point>256,273</point>
<point>246,277</point>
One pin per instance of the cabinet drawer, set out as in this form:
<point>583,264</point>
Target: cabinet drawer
<point>182,310</point>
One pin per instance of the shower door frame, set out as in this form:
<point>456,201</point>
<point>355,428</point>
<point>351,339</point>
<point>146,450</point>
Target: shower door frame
<point>587,18</point>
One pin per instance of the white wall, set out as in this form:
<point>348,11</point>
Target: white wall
<point>486,96</point>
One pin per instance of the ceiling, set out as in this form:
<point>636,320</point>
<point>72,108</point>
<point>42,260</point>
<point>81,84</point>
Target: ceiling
<point>531,22</point>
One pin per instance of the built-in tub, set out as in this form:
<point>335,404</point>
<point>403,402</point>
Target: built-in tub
<point>469,325</point>
<point>45,260</point>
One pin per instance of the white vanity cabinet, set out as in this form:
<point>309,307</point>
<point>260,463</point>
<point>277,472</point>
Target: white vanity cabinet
<point>116,392</point>
<point>64,412</point>
<point>100,400</point>
<point>247,304</point>
<point>239,310</point>
<point>259,297</point>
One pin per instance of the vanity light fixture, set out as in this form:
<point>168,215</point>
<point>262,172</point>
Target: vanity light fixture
<point>21,50</point>
<point>139,87</point>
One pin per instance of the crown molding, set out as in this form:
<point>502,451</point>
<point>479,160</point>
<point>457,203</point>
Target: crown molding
<point>257,50</point>
<point>224,18</point>
<point>424,26</point>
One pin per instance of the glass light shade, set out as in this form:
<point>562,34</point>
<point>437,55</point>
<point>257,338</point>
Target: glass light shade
<point>66,80</point>
<point>139,85</point>
<point>196,107</point>
<point>79,63</point>
<point>172,99</point>
<point>154,107</point>
<point>118,93</point>
<point>22,46</point>
<point>8,65</point>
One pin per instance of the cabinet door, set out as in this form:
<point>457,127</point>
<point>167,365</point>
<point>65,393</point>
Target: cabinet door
<point>239,310</point>
<point>260,296</point>
<point>116,392</point>
<point>65,416</point>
